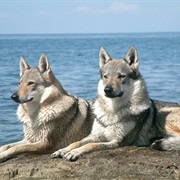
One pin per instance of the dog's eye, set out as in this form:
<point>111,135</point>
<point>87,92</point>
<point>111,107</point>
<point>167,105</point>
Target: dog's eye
<point>121,76</point>
<point>30,83</point>
<point>105,77</point>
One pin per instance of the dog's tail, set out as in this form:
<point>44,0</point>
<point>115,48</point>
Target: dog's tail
<point>167,144</point>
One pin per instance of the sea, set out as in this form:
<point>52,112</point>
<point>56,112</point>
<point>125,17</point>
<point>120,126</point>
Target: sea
<point>74,59</point>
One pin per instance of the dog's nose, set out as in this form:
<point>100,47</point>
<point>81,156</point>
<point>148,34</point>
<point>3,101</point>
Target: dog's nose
<point>15,97</point>
<point>108,90</point>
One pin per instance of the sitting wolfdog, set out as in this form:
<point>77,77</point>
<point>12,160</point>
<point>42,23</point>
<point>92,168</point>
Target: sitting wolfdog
<point>52,118</point>
<point>125,115</point>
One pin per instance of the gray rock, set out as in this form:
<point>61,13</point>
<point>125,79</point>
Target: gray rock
<point>121,163</point>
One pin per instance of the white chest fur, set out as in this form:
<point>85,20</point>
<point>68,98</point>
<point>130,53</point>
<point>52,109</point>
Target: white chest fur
<point>110,126</point>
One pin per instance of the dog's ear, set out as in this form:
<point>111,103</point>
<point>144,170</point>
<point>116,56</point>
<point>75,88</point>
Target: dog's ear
<point>131,58</point>
<point>104,57</point>
<point>43,64</point>
<point>23,66</point>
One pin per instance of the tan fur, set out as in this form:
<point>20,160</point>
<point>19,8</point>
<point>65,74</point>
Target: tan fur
<point>125,115</point>
<point>52,118</point>
<point>169,119</point>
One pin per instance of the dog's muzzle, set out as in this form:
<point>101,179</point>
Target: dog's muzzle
<point>17,99</point>
<point>109,92</point>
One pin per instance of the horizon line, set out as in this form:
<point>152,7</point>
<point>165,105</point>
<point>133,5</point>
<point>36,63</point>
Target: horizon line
<point>90,33</point>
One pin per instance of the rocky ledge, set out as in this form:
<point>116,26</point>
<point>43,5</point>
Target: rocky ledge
<point>121,163</point>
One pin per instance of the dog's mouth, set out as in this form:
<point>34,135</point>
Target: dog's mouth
<point>22,102</point>
<point>111,95</point>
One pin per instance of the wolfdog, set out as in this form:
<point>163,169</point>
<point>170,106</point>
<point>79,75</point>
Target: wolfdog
<point>52,118</point>
<point>125,115</point>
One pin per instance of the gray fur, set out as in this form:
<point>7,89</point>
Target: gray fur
<point>125,115</point>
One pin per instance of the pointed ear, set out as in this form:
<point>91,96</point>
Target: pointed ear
<point>104,57</point>
<point>43,64</point>
<point>131,58</point>
<point>23,66</point>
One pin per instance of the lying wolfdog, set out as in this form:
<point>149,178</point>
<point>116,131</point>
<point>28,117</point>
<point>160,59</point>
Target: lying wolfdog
<point>52,118</point>
<point>125,115</point>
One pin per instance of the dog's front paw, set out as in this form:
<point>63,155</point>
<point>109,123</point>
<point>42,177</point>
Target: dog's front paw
<point>59,154</point>
<point>3,158</point>
<point>4,148</point>
<point>72,155</point>
<point>56,154</point>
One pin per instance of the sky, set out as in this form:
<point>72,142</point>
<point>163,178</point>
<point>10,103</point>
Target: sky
<point>88,16</point>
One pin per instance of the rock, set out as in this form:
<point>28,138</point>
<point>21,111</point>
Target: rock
<point>120,163</point>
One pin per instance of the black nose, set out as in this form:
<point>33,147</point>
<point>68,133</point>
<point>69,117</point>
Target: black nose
<point>108,90</point>
<point>15,97</point>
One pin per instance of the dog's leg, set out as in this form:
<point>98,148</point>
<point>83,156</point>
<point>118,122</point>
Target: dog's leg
<point>74,154</point>
<point>62,152</point>
<point>167,144</point>
<point>7,146</point>
<point>38,147</point>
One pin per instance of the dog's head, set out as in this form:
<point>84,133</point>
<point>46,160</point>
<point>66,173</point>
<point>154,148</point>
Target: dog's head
<point>116,74</point>
<point>33,81</point>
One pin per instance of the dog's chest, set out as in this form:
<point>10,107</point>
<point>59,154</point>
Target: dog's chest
<point>33,131</point>
<point>108,128</point>
<point>37,126</point>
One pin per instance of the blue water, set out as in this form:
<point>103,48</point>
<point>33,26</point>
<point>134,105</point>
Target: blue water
<point>75,62</point>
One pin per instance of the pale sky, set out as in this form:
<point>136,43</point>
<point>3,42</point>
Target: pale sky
<point>88,16</point>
